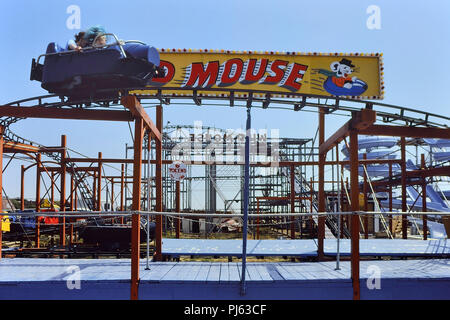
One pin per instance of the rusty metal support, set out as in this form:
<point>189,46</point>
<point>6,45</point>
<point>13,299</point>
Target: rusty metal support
<point>292,201</point>
<point>133,104</point>
<point>112,194</point>
<point>52,189</point>
<point>62,199</point>
<point>177,209</point>
<point>403,180</point>
<point>99,183</point>
<point>62,113</point>
<point>354,189</point>
<point>360,120</point>
<point>136,227</point>
<point>122,189</point>
<point>75,197</point>
<point>322,157</point>
<point>406,131</point>
<point>38,200</point>
<point>94,191</point>
<point>390,201</point>
<point>22,188</point>
<point>72,188</point>
<point>158,184</point>
<point>424,200</point>
<point>366,203</point>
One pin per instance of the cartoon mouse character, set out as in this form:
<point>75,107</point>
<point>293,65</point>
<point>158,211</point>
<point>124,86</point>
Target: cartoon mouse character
<point>342,70</point>
<point>339,81</point>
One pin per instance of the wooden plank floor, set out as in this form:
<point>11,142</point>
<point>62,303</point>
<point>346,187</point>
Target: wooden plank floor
<point>22,278</point>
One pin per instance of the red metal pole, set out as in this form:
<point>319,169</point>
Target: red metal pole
<point>424,200</point>
<point>22,188</point>
<point>390,201</point>
<point>75,205</point>
<point>322,157</point>
<point>158,185</point>
<point>403,180</point>
<point>52,190</point>
<point>71,208</point>
<point>354,188</point>
<point>311,220</point>
<point>122,189</point>
<point>94,191</point>
<point>136,228</point>
<point>99,183</point>
<point>292,175</point>
<point>62,199</point>
<point>366,204</point>
<point>112,194</point>
<point>177,208</point>
<point>38,199</point>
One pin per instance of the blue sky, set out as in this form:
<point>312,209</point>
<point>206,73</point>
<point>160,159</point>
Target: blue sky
<point>414,39</point>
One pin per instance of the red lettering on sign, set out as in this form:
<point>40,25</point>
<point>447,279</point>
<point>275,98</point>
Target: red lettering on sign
<point>276,70</point>
<point>197,75</point>
<point>295,75</point>
<point>231,72</point>
<point>169,70</point>
<point>250,76</point>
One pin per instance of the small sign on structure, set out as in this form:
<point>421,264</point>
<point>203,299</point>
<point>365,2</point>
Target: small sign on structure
<point>177,170</point>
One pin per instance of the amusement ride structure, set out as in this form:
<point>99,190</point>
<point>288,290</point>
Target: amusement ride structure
<point>356,184</point>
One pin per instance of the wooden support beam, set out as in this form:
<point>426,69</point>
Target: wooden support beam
<point>406,131</point>
<point>424,200</point>
<point>429,172</point>
<point>72,189</point>
<point>38,200</point>
<point>360,121</point>
<point>292,200</point>
<point>61,113</point>
<point>99,183</point>
<point>136,226</point>
<point>122,189</point>
<point>403,183</point>
<point>62,198</point>
<point>133,104</point>
<point>321,195</point>
<point>22,187</point>
<point>158,185</point>
<point>177,209</point>
<point>354,190</point>
<point>366,203</point>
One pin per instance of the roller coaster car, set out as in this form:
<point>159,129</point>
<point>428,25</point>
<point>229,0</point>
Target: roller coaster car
<point>97,71</point>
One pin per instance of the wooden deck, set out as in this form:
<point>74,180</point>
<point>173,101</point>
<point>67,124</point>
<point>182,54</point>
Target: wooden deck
<point>109,279</point>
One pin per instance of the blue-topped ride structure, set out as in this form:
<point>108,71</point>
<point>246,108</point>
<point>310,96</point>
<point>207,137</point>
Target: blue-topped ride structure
<point>96,71</point>
<point>376,147</point>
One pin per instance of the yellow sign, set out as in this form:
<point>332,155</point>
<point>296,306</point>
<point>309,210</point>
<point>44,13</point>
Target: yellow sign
<point>282,75</point>
<point>6,224</point>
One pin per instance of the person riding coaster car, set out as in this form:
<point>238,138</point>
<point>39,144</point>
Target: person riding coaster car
<point>99,70</point>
